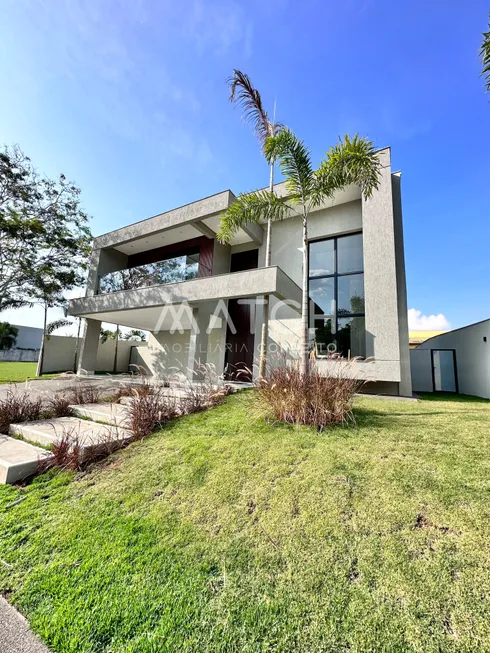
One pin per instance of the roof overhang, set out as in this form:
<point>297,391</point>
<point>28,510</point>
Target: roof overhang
<point>186,222</point>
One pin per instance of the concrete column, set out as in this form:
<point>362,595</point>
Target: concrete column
<point>405,386</point>
<point>198,342</point>
<point>103,261</point>
<point>380,280</point>
<point>87,359</point>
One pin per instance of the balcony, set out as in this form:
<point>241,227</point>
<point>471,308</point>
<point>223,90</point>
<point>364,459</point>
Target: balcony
<point>174,270</point>
<point>142,307</point>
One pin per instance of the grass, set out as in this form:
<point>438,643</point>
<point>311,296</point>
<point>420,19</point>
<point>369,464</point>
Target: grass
<point>225,533</point>
<point>18,372</point>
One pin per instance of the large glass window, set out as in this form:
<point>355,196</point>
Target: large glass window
<point>336,289</point>
<point>171,270</point>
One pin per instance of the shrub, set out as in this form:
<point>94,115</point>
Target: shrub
<point>69,454</point>
<point>311,399</point>
<point>148,412</point>
<point>199,396</point>
<point>16,407</point>
<point>59,405</point>
<point>207,390</point>
<point>84,393</point>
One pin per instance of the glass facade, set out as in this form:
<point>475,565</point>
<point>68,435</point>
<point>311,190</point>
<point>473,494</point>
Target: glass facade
<point>181,268</point>
<point>336,290</point>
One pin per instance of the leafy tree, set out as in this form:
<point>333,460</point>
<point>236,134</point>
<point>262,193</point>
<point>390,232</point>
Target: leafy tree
<point>485,56</point>
<point>8,335</point>
<point>44,237</point>
<point>351,161</point>
<point>150,274</point>
<point>134,334</point>
<point>107,334</point>
<point>243,93</point>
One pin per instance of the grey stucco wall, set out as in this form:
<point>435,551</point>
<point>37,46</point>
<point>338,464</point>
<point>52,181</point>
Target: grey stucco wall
<point>380,283</point>
<point>286,239</point>
<point>472,359</point>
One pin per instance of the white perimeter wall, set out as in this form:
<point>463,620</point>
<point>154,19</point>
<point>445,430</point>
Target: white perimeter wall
<point>59,354</point>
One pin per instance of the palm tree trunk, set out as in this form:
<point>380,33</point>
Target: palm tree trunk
<point>114,369</point>
<point>41,353</point>
<point>265,324</point>
<point>305,301</point>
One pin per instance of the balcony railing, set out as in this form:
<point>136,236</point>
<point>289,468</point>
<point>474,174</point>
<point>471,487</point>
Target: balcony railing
<point>172,270</point>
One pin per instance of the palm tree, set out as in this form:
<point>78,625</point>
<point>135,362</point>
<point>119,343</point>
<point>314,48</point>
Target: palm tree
<point>8,335</point>
<point>351,161</point>
<point>243,93</point>
<point>134,334</point>
<point>485,57</point>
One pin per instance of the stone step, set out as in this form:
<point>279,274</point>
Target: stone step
<point>47,431</point>
<point>171,393</point>
<point>114,414</point>
<point>18,459</point>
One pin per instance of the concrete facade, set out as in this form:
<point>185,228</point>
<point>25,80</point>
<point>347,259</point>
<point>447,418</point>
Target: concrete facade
<point>471,346</point>
<point>379,219</point>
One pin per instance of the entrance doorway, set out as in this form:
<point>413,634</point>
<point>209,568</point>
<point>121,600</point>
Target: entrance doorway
<point>444,375</point>
<point>239,356</point>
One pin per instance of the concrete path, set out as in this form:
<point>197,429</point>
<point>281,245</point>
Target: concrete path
<point>15,634</point>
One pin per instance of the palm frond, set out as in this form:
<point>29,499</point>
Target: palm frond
<point>485,56</point>
<point>56,324</point>
<point>259,206</point>
<point>294,161</point>
<point>351,161</point>
<point>243,93</point>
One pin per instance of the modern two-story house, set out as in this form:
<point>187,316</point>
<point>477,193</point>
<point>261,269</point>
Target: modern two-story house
<point>202,301</point>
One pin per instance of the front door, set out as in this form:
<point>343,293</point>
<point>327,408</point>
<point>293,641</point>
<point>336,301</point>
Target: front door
<point>444,370</point>
<point>239,357</point>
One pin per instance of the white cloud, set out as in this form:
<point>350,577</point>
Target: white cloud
<point>419,322</point>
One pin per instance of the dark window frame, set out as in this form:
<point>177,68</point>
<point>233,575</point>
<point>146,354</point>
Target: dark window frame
<point>455,367</point>
<point>335,276</point>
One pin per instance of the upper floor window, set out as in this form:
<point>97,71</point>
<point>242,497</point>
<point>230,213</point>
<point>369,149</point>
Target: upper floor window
<point>336,290</point>
<point>180,268</point>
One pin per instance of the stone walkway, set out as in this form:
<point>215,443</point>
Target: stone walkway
<point>91,425</point>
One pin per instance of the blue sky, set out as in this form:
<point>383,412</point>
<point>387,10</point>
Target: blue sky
<point>128,99</point>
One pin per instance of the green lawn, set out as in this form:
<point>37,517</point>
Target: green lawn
<point>18,372</point>
<point>225,533</point>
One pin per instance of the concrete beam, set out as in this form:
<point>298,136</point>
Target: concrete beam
<point>204,229</point>
<point>254,231</point>
<point>187,214</point>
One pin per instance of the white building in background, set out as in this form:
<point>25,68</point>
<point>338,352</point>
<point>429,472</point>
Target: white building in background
<point>27,345</point>
<point>456,361</point>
